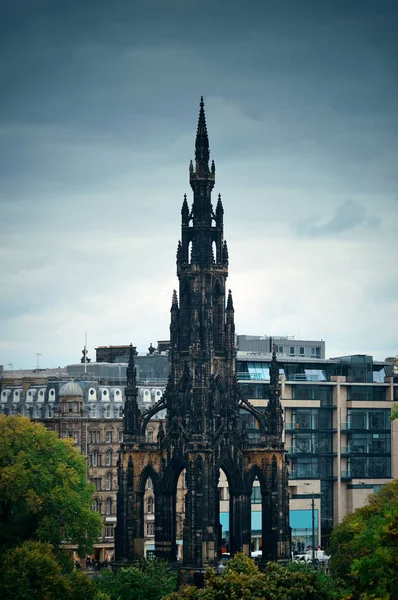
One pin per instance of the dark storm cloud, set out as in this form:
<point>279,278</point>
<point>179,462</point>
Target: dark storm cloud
<point>97,120</point>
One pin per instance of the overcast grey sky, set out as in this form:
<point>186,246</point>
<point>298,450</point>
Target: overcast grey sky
<point>98,112</point>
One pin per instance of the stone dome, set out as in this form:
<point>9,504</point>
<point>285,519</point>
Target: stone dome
<point>71,389</point>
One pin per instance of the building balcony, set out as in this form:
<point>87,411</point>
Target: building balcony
<point>293,451</point>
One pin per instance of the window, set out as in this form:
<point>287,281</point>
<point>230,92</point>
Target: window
<point>108,458</point>
<point>108,412</point>
<point>255,391</point>
<point>149,484</point>
<point>108,506</point>
<point>291,349</point>
<point>109,481</point>
<point>369,467</point>
<point>366,392</point>
<point>120,436</point>
<point>108,437</point>
<point>94,437</point>
<point>93,412</point>
<point>96,506</point>
<point>305,418</point>
<point>372,419</point>
<point>149,435</point>
<point>94,459</point>
<point>97,482</point>
<point>280,349</point>
<point>109,531</point>
<point>150,529</point>
<point>369,443</point>
<point>306,468</point>
<point>70,406</point>
<point>301,350</point>
<point>256,495</point>
<point>313,392</point>
<point>150,504</point>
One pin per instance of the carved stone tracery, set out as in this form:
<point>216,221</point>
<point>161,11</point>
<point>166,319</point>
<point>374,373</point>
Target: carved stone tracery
<point>204,431</point>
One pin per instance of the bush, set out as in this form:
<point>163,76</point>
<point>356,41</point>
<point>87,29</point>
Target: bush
<point>151,579</point>
<point>242,580</point>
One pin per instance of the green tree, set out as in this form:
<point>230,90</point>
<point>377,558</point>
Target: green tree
<point>150,579</point>
<point>44,494</point>
<point>364,547</point>
<point>242,580</point>
<point>31,571</point>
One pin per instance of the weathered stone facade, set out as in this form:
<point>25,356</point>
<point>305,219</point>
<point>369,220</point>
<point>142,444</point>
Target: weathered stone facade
<point>204,431</point>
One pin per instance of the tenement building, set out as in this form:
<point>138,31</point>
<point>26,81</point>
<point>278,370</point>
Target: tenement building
<point>204,432</point>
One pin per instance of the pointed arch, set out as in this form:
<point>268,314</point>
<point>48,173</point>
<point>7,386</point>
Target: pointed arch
<point>251,475</point>
<point>218,301</point>
<point>149,472</point>
<point>233,474</point>
<point>172,473</point>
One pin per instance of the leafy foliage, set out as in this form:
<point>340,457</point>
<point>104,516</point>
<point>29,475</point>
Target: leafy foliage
<point>151,579</point>
<point>242,580</point>
<point>44,494</point>
<point>364,547</point>
<point>32,571</point>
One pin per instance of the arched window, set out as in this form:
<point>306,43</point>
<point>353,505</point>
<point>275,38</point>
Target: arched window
<point>94,505</point>
<point>108,458</point>
<point>108,506</point>
<point>150,504</point>
<point>94,459</point>
<point>149,484</point>
<point>109,481</point>
<point>149,435</point>
<point>37,412</point>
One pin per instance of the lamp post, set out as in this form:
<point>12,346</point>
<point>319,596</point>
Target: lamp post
<point>313,526</point>
<point>313,522</point>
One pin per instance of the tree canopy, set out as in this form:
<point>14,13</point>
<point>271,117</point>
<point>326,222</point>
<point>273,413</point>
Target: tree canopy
<point>149,579</point>
<point>242,580</point>
<point>364,547</point>
<point>44,493</point>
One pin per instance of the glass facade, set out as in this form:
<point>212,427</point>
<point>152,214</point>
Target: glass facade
<point>377,419</point>
<point>366,392</point>
<point>313,392</point>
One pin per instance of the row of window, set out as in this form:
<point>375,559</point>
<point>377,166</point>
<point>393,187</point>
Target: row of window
<point>357,418</point>
<point>366,392</point>
<point>369,443</point>
<point>34,412</point>
<point>97,481</point>
<point>95,459</point>
<point>312,443</point>
<point>97,506</point>
<point>106,412</point>
<point>94,436</point>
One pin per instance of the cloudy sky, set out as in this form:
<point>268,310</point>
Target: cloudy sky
<point>98,112</point>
